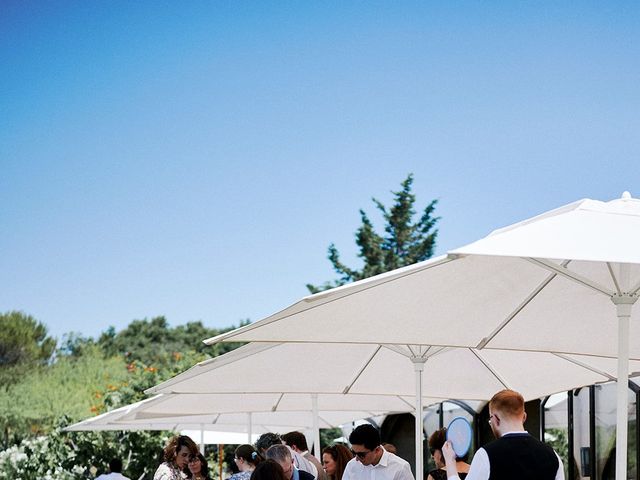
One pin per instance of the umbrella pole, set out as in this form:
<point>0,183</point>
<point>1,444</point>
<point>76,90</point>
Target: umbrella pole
<point>316,425</point>
<point>418,366</point>
<point>249,428</point>
<point>202,439</point>
<point>623,304</point>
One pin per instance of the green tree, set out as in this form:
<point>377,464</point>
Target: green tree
<point>23,340</point>
<point>404,242</point>
<point>24,344</point>
<point>154,342</point>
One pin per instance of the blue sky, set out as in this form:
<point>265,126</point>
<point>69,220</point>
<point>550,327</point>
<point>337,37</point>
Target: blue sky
<point>196,159</point>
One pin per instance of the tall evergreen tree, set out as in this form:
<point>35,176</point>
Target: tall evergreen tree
<point>404,242</point>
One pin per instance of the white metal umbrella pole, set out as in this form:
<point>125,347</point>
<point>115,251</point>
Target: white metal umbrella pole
<point>249,428</point>
<point>316,425</point>
<point>202,439</point>
<point>624,305</point>
<point>418,366</point>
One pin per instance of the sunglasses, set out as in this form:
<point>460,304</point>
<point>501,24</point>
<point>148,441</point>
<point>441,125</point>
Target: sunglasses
<point>360,454</point>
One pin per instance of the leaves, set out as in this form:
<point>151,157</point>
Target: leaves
<point>404,242</point>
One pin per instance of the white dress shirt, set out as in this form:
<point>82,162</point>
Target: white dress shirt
<point>390,467</point>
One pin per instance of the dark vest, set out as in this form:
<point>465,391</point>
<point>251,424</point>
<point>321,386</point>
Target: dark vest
<point>519,456</point>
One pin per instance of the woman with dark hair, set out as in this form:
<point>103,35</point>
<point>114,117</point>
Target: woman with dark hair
<point>436,442</point>
<point>198,468</point>
<point>176,455</point>
<point>335,459</point>
<point>268,470</point>
<point>246,459</point>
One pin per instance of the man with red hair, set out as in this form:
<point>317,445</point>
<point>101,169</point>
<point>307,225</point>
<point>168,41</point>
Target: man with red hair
<point>514,454</point>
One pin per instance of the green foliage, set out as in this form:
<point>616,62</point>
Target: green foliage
<point>328,435</point>
<point>153,342</point>
<point>557,439</point>
<point>71,386</point>
<point>88,377</point>
<point>23,344</point>
<point>405,242</point>
<point>80,455</point>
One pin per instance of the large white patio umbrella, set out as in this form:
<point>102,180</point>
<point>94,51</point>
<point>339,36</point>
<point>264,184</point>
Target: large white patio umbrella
<point>233,412</point>
<point>562,282</point>
<point>378,377</point>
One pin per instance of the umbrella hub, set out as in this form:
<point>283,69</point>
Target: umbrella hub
<point>624,302</point>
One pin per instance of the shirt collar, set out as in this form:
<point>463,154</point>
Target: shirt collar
<point>384,459</point>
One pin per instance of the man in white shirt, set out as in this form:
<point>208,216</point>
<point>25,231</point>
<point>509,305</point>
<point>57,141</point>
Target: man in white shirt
<point>371,461</point>
<point>515,454</point>
<point>115,471</point>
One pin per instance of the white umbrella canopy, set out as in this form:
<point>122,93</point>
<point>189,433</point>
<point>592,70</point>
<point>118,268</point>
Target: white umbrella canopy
<point>365,377</point>
<point>560,282</point>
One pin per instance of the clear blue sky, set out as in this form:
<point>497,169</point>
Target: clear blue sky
<point>196,159</point>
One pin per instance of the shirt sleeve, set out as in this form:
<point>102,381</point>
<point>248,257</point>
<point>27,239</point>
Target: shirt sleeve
<point>479,469</point>
<point>560,472</point>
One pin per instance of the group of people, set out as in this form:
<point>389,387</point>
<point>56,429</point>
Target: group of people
<point>514,454</point>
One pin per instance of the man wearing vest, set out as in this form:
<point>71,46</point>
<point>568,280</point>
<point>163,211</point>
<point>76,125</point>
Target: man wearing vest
<point>515,454</point>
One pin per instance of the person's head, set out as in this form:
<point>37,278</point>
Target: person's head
<point>266,440</point>
<point>268,470</point>
<point>198,465</point>
<point>296,440</point>
<point>506,412</point>
<point>335,459</point>
<point>246,457</point>
<point>115,465</point>
<point>281,454</point>
<point>179,449</point>
<point>365,444</point>
<point>436,441</point>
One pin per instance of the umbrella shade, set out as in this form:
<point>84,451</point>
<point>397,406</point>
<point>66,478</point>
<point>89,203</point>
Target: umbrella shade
<point>458,301</point>
<point>561,282</point>
<point>379,378</point>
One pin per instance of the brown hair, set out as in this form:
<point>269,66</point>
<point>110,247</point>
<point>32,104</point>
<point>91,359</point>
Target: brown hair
<point>437,439</point>
<point>248,454</point>
<point>508,402</point>
<point>175,444</point>
<point>341,455</point>
<point>268,470</point>
<point>296,439</point>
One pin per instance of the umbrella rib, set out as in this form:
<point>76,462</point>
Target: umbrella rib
<point>275,407</point>
<point>584,365</point>
<point>483,343</point>
<point>613,277</point>
<point>490,368</point>
<point>355,379</point>
<point>408,403</point>
<point>399,350</point>
<point>565,272</point>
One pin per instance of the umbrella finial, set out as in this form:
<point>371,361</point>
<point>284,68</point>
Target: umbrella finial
<point>626,195</point>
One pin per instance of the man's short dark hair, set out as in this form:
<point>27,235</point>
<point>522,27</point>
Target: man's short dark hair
<point>296,439</point>
<point>115,465</point>
<point>366,435</point>
<point>266,440</point>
